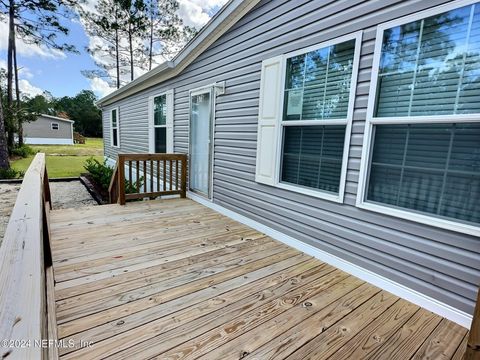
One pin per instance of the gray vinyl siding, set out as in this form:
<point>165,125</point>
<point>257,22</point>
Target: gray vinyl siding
<point>436,262</point>
<point>42,128</point>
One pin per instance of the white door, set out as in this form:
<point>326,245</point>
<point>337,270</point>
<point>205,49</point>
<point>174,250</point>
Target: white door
<point>201,141</point>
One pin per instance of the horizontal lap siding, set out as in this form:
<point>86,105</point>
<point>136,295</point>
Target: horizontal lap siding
<point>436,262</point>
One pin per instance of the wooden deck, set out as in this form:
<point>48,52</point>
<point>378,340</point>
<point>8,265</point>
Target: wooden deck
<point>173,279</point>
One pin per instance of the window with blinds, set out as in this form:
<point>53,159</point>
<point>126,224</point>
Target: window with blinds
<point>318,83</point>
<point>312,156</point>
<point>115,141</point>
<point>315,112</point>
<point>431,66</point>
<point>424,150</point>
<point>160,123</point>
<point>428,168</point>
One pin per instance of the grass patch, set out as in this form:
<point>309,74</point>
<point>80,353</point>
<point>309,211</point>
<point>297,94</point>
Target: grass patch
<point>58,166</point>
<point>92,147</point>
<point>64,160</point>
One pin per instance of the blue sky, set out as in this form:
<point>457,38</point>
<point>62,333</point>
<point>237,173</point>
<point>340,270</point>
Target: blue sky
<point>60,74</point>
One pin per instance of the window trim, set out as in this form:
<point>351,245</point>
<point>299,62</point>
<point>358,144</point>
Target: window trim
<point>151,122</point>
<point>371,121</point>
<point>318,193</point>
<point>55,123</point>
<point>116,127</point>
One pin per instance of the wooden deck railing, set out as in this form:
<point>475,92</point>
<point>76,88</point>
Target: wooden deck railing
<point>27,317</point>
<point>138,176</point>
<point>473,344</point>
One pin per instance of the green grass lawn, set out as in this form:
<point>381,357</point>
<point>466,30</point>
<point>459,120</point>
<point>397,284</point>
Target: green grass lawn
<point>65,160</point>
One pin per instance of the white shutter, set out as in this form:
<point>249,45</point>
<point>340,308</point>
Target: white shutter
<point>170,105</point>
<point>151,128</point>
<point>269,119</point>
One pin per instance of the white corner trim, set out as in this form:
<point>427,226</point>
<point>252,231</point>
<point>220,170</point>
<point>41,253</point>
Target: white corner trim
<point>384,283</point>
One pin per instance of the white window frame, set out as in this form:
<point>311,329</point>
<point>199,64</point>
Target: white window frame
<point>371,121</point>
<point>116,127</point>
<point>357,36</point>
<point>169,103</point>
<point>55,123</point>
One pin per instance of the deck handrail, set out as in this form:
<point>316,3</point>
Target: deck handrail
<point>113,187</point>
<point>26,271</point>
<point>149,176</point>
<point>473,343</point>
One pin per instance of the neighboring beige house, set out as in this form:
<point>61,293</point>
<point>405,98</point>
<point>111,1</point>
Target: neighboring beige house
<point>49,130</point>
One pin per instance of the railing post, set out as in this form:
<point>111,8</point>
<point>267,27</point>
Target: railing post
<point>46,189</point>
<point>473,345</point>
<point>121,179</point>
<point>183,194</point>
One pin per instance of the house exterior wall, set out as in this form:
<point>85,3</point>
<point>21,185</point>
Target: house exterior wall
<point>439,263</point>
<point>41,131</point>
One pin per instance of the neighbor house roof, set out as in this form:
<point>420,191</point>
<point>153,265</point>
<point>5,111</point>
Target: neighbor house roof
<point>228,16</point>
<point>57,118</point>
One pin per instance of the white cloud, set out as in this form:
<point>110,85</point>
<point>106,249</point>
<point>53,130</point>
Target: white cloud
<point>25,72</point>
<point>26,88</point>
<point>28,50</point>
<point>196,12</point>
<point>100,87</point>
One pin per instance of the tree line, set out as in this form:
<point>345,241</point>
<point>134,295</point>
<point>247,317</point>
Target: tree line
<point>81,108</point>
<point>132,36</point>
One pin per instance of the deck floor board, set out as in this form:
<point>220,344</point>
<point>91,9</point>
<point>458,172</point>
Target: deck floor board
<point>172,279</point>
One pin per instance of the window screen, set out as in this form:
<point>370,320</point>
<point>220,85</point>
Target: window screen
<point>433,169</point>
<point>318,83</point>
<point>431,66</point>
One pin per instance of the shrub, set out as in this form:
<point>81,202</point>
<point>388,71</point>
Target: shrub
<point>23,151</point>
<point>11,173</point>
<point>102,174</point>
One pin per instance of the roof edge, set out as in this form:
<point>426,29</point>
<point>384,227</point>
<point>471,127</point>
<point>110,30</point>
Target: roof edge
<point>223,20</point>
<point>57,118</point>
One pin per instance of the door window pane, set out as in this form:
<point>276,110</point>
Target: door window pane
<point>312,156</point>
<point>431,66</point>
<point>317,83</point>
<point>429,168</point>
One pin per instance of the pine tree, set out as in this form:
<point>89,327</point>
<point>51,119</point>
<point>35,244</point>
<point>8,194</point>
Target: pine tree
<point>166,33</point>
<point>105,23</point>
<point>37,23</point>
<point>4,163</point>
<point>134,35</point>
